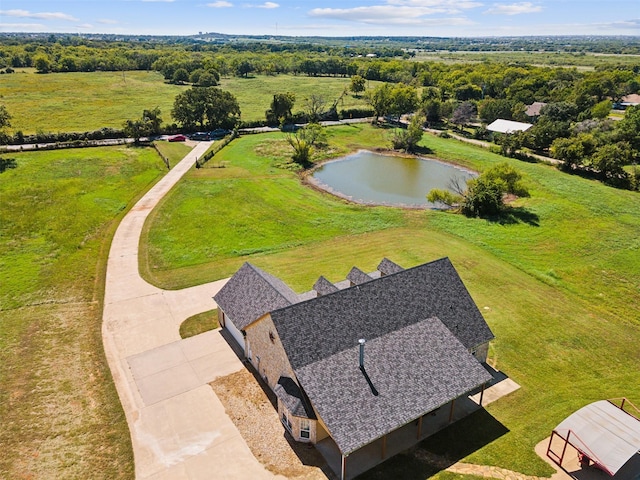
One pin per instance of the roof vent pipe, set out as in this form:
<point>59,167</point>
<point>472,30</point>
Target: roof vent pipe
<point>361,342</point>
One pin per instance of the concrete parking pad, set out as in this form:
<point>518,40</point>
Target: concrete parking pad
<point>179,429</point>
<point>179,367</point>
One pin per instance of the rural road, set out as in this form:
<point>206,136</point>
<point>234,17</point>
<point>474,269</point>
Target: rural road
<point>179,428</point>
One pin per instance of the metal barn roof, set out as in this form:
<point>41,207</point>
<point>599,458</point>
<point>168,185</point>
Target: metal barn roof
<point>508,126</point>
<point>604,432</point>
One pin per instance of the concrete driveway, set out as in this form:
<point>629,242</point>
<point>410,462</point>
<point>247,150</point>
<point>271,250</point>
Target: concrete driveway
<point>179,429</point>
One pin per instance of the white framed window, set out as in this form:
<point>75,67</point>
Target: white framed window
<point>305,428</point>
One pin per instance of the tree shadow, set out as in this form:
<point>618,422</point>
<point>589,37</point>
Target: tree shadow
<point>7,163</point>
<point>515,215</point>
<point>422,150</point>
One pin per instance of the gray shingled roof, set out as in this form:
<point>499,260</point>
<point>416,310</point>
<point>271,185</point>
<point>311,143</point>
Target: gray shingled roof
<point>329,324</point>
<point>413,370</point>
<point>324,286</point>
<point>357,276</point>
<point>251,293</point>
<point>387,267</point>
<point>288,391</point>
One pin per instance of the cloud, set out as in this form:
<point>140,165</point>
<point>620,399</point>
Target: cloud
<point>633,24</point>
<point>163,1</point>
<point>107,21</point>
<point>220,4</point>
<point>16,27</point>
<point>448,4</point>
<point>401,12</point>
<point>41,15</point>
<point>268,5</point>
<point>514,8</point>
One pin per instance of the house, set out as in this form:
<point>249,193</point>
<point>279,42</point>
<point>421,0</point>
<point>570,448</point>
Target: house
<point>534,110</point>
<point>627,101</point>
<point>508,126</point>
<point>357,360</point>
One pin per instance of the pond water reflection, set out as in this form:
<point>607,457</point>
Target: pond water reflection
<point>373,178</point>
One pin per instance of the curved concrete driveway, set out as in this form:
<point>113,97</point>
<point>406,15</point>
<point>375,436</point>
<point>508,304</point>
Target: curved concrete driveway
<point>179,429</point>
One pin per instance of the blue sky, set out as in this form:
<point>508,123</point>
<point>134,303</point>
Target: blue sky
<point>324,18</point>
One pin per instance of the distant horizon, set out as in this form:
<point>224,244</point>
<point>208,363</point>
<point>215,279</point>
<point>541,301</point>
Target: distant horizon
<point>329,18</point>
<point>202,34</point>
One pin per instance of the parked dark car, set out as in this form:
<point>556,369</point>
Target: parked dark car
<point>219,133</point>
<point>200,136</point>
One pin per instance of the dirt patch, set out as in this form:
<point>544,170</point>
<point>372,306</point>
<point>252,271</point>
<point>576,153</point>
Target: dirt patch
<point>255,416</point>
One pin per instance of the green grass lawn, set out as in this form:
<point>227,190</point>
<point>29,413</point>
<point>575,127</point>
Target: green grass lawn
<point>200,323</point>
<point>61,416</point>
<point>558,283</point>
<point>79,102</point>
<point>256,93</point>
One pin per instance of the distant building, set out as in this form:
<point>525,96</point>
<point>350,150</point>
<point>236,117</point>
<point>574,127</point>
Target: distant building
<point>508,126</point>
<point>627,101</point>
<point>533,110</point>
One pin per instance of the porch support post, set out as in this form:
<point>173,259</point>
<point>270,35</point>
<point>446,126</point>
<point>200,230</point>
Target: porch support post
<point>453,404</point>
<point>566,442</point>
<point>482,393</point>
<point>343,469</point>
<point>550,440</point>
<point>384,447</point>
<point>419,427</point>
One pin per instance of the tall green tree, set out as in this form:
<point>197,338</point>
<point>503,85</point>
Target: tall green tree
<point>5,121</point>
<point>152,120</point>
<point>407,139</point>
<point>206,107</point>
<point>280,110</point>
<point>380,100</point>
<point>357,84</point>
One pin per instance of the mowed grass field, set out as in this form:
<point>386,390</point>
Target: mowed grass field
<point>79,102</point>
<point>558,283</point>
<point>60,416</point>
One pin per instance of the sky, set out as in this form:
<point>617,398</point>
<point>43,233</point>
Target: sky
<point>339,18</point>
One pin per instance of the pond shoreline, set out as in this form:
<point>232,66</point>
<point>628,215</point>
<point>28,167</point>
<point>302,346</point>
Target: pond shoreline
<point>308,179</point>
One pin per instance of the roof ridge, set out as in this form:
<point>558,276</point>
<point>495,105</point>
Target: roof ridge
<point>267,277</point>
<point>374,280</point>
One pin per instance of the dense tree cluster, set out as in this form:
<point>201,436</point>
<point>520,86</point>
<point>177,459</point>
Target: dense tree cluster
<point>207,108</point>
<point>484,195</point>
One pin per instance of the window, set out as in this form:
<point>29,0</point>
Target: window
<point>286,421</point>
<point>305,428</point>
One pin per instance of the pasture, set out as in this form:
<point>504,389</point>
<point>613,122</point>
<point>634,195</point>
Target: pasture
<point>79,102</point>
<point>61,416</point>
<point>557,280</point>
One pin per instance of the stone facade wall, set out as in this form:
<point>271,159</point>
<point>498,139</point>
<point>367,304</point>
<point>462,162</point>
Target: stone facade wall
<point>266,352</point>
<point>481,352</point>
<point>296,423</point>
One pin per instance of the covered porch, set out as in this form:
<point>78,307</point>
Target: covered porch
<point>412,433</point>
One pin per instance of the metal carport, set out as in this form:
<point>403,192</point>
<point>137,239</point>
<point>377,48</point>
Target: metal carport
<point>605,433</point>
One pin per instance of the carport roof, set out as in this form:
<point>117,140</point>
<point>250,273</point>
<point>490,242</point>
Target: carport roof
<point>604,432</point>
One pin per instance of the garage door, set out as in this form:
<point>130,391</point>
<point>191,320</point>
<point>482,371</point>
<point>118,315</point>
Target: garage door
<point>235,333</point>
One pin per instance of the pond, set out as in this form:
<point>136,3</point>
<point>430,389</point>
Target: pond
<point>373,178</point>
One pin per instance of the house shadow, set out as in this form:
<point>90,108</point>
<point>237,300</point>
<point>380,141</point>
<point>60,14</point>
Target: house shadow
<point>306,452</point>
<point>440,450</point>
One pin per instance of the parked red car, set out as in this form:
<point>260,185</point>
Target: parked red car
<point>177,138</point>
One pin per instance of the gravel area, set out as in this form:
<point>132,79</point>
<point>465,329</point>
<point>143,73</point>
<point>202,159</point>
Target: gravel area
<point>256,417</point>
